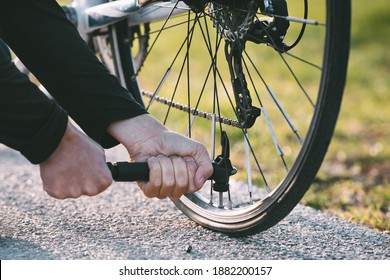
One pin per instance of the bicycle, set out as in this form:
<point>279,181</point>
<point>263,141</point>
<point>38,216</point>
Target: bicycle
<point>263,78</point>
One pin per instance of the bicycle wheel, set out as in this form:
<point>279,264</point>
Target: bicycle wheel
<point>269,76</point>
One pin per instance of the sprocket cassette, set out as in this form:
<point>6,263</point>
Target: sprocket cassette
<point>233,21</point>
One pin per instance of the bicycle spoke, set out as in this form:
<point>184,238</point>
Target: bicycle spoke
<point>280,52</point>
<point>283,112</point>
<point>293,19</point>
<point>248,167</point>
<point>297,80</point>
<point>304,61</point>
<point>278,148</point>
<point>186,41</point>
<point>160,31</point>
<point>269,90</point>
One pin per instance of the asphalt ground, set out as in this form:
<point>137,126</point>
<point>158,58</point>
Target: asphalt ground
<point>121,224</point>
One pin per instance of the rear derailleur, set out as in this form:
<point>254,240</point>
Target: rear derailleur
<point>269,31</point>
<point>246,113</point>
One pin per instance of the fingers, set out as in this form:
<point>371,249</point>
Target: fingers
<point>181,177</point>
<point>77,167</point>
<point>204,168</point>
<point>78,185</point>
<point>191,171</point>
<point>169,177</point>
<point>162,181</point>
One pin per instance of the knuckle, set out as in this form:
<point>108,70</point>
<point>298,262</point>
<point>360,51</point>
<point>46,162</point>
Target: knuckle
<point>92,191</point>
<point>151,191</point>
<point>149,195</point>
<point>162,196</point>
<point>191,164</point>
<point>106,180</point>
<point>153,162</point>
<point>53,192</point>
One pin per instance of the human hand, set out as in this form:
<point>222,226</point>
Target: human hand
<point>177,164</point>
<point>77,167</point>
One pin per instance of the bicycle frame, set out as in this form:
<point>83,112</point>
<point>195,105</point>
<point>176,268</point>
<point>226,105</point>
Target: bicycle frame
<point>91,15</point>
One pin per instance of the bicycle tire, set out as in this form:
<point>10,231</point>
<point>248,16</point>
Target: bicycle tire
<point>276,200</point>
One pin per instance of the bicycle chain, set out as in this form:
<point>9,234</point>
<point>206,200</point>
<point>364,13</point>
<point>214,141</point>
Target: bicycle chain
<point>194,111</point>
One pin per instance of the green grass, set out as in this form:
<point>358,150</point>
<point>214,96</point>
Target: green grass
<point>354,180</point>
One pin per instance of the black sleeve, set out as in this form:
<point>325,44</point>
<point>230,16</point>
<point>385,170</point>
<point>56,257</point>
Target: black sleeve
<point>29,121</point>
<point>51,47</point>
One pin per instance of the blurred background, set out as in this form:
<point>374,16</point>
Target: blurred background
<point>353,182</point>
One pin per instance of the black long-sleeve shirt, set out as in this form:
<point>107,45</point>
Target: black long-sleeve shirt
<point>51,48</point>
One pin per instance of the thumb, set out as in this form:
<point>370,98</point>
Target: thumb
<point>203,172</point>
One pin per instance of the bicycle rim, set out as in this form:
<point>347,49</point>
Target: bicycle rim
<point>295,96</point>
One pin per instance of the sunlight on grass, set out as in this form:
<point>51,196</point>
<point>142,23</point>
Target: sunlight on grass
<point>354,181</point>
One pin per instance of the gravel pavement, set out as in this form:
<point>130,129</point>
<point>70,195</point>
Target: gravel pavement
<point>121,224</point>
